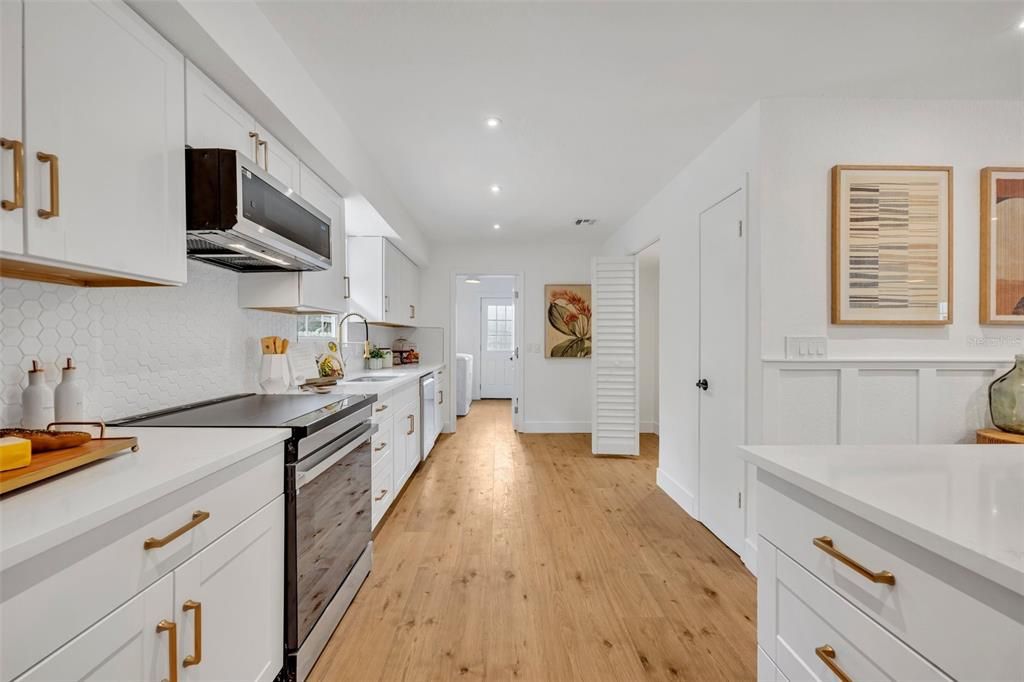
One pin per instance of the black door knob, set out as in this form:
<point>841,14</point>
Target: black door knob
<point>702,384</point>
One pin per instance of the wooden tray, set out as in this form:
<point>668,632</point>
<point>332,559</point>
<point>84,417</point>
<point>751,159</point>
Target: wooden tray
<point>47,464</point>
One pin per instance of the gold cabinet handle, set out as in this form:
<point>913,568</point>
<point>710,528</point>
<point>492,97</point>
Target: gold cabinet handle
<point>266,154</point>
<point>19,174</point>
<point>825,544</point>
<point>348,286</point>
<point>197,518</point>
<point>441,401</point>
<point>255,137</point>
<point>197,657</point>
<point>382,407</point>
<point>380,447</point>
<point>171,629</point>
<point>54,209</point>
<point>383,494</point>
<point>828,656</point>
<point>412,425</point>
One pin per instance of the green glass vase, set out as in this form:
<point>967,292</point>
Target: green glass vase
<point>1006,399</point>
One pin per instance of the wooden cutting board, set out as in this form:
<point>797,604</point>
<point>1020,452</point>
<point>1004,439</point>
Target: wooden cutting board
<point>47,464</point>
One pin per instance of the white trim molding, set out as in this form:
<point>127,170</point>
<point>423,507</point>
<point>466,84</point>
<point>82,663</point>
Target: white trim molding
<point>680,495</point>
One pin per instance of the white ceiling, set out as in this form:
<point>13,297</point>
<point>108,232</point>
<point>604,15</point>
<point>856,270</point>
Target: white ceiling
<point>603,103</point>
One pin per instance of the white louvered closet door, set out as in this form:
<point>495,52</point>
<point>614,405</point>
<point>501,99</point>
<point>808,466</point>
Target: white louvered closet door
<point>615,420</point>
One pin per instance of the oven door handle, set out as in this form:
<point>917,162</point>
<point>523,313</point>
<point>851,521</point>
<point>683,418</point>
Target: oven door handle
<point>304,476</point>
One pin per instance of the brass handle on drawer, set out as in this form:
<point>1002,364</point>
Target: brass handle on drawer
<point>828,656</point>
<point>197,518</point>
<point>197,657</point>
<point>383,494</point>
<point>825,544</point>
<point>54,209</point>
<point>18,164</point>
<point>380,447</point>
<point>171,629</point>
<point>412,425</point>
<point>382,407</point>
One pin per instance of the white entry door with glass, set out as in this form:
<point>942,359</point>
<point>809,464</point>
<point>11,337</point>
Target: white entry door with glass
<point>497,347</point>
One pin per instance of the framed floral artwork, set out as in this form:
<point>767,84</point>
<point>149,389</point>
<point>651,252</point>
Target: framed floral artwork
<point>1002,246</point>
<point>892,245</point>
<point>567,328</point>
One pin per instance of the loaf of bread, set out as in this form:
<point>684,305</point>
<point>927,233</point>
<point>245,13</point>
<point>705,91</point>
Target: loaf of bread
<point>44,441</point>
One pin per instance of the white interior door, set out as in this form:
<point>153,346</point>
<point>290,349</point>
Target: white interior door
<point>615,371</point>
<point>723,331</point>
<point>497,347</point>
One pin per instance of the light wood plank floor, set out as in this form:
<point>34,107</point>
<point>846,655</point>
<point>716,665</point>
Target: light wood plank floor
<point>524,557</point>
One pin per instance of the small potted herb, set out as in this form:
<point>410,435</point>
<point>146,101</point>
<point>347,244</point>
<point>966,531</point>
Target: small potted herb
<point>376,358</point>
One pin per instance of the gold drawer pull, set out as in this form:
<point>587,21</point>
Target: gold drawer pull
<point>266,157</point>
<point>828,656</point>
<point>54,209</point>
<point>172,647</point>
<point>255,137</point>
<point>383,494</point>
<point>197,657</point>
<point>382,407</point>
<point>18,164</point>
<point>825,544</point>
<point>380,447</point>
<point>412,425</point>
<point>197,518</point>
<point>441,401</point>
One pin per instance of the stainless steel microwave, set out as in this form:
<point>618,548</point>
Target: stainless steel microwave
<point>240,217</point>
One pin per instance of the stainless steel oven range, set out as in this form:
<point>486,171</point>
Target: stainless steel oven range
<point>328,548</point>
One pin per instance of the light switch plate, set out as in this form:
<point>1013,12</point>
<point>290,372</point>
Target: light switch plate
<point>806,348</point>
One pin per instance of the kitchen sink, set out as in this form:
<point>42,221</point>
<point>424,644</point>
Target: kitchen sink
<point>387,377</point>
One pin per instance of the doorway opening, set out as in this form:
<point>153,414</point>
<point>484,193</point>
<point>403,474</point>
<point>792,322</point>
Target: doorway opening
<point>486,337</point>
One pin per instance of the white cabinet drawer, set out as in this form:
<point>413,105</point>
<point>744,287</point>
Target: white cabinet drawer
<point>93,574</point>
<point>969,627</point>
<point>407,394</point>
<point>383,439</point>
<point>384,408</point>
<point>810,616</point>
<point>383,476</point>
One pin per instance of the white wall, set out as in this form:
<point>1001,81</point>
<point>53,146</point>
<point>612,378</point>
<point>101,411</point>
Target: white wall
<point>648,318</point>
<point>802,139</point>
<point>556,391</point>
<point>467,316</point>
<point>672,216</point>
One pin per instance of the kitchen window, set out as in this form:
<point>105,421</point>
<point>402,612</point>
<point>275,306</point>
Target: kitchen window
<point>318,326</point>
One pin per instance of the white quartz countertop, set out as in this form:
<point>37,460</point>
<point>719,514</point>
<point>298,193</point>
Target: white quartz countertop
<point>44,515</point>
<point>403,375</point>
<point>963,502</point>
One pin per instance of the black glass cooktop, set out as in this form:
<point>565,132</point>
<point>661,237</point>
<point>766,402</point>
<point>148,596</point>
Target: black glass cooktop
<point>304,413</point>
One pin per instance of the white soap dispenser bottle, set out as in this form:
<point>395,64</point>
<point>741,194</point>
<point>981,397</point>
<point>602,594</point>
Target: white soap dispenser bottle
<point>69,398</point>
<point>36,400</point>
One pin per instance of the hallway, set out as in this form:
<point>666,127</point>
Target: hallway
<point>523,556</point>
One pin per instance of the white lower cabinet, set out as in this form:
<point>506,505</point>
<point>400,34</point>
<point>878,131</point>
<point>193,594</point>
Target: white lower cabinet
<point>396,445</point>
<point>135,642</point>
<point>230,603</point>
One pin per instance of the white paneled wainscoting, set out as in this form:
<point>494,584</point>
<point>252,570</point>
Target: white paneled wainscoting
<point>864,402</point>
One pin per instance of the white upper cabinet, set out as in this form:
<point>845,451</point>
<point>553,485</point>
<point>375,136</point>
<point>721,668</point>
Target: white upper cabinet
<point>103,170</point>
<point>279,162</point>
<point>214,120</point>
<point>12,217</point>
<point>308,292</point>
<point>384,281</point>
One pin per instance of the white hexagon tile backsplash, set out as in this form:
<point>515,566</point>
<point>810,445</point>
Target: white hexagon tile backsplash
<point>138,349</point>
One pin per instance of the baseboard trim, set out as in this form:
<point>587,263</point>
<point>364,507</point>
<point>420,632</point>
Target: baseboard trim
<point>749,557</point>
<point>680,495</point>
<point>649,427</point>
<point>555,427</point>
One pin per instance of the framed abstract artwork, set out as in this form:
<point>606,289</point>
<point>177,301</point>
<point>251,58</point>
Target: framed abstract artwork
<point>567,326</point>
<point>1002,246</point>
<point>892,245</point>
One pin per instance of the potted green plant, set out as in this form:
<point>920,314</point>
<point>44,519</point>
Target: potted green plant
<point>376,358</point>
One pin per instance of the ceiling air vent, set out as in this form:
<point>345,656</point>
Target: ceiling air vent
<point>586,222</point>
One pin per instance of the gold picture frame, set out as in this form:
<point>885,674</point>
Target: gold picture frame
<point>1002,246</point>
<point>892,245</point>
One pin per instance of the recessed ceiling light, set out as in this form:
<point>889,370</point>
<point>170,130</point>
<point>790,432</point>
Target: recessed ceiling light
<point>497,226</point>
<point>472,280</point>
<point>493,122</point>
<point>495,189</point>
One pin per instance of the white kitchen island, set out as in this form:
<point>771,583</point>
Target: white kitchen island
<point>890,562</point>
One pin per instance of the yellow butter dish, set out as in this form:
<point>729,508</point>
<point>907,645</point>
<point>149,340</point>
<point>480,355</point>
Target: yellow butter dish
<point>15,453</point>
